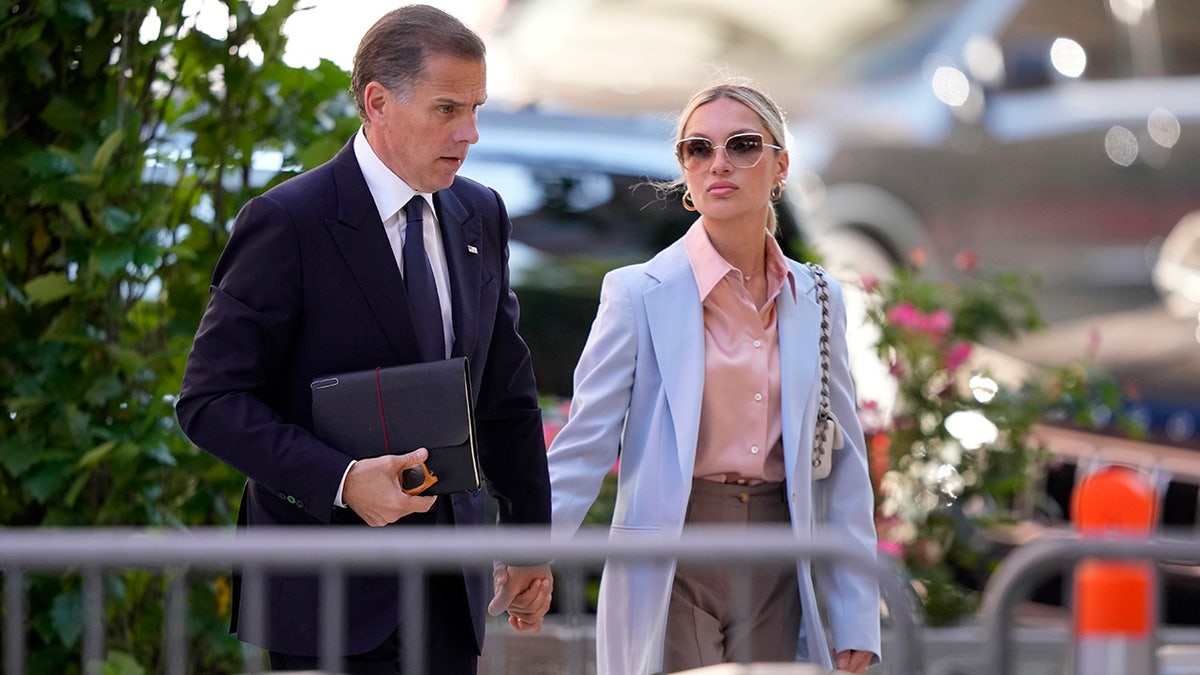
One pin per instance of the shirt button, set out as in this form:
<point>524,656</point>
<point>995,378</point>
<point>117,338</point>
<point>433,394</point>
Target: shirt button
<point>758,397</point>
<point>741,481</point>
<point>754,449</point>
<point>757,344</point>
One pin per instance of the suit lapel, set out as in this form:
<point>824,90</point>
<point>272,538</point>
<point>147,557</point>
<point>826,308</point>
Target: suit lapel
<point>676,320</point>
<point>461,234</point>
<point>364,245</point>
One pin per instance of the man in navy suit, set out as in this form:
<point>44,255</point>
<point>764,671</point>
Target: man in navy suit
<point>313,282</point>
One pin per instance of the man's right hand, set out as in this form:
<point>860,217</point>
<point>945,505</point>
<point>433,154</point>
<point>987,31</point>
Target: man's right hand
<point>372,489</point>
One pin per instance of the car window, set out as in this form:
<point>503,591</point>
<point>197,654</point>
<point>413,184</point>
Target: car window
<point>567,211</point>
<point>1074,29</point>
<point>896,47</point>
<point>1179,22</point>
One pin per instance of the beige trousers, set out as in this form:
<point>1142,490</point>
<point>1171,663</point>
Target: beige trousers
<point>723,614</point>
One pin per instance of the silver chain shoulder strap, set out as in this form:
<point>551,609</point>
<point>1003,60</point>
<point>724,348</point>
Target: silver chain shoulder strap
<point>828,436</point>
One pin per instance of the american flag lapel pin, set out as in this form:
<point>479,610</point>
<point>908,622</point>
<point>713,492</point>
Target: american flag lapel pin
<point>472,250</point>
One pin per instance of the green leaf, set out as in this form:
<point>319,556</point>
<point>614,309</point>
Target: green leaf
<point>105,387</point>
<point>63,114</point>
<point>88,180</point>
<point>97,455</point>
<point>120,663</point>
<point>47,163</point>
<point>45,482</point>
<point>72,493</point>
<point>66,613</point>
<point>48,288</point>
<point>111,257</point>
<point>17,455</point>
<point>106,151</point>
<point>74,216</point>
<point>118,220</point>
<point>80,9</point>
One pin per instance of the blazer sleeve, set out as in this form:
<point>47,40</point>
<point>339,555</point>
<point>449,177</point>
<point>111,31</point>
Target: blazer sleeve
<point>586,448</point>
<point>236,359</point>
<point>849,505</point>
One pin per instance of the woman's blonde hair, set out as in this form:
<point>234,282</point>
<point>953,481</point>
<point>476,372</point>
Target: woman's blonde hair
<point>743,91</point>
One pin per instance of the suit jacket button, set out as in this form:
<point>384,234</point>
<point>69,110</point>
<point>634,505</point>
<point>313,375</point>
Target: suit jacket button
<point>743,497</point>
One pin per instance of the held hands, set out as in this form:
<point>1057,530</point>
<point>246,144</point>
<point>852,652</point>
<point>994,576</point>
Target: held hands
<point>373,490</point>
<point>524,592</point>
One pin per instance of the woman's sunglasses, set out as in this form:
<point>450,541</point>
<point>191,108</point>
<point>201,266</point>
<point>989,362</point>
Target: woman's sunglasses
<point>742,150</point>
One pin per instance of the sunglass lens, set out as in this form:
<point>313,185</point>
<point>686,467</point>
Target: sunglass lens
<point>412,477</point>
<point>697,150</point>
<point>744,150</point>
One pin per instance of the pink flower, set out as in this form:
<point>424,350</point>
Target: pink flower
<point>550,430</point>
<point>892,548</point>
<point>906,315</point>
<point>966,261</point>
<point>957,354</point>
<point>870,283</point>
<point>918,257</point>
<point>938,322</point>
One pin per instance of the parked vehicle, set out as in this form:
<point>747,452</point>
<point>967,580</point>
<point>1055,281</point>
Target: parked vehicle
<point>1057,137</point>
<point>580,192</point>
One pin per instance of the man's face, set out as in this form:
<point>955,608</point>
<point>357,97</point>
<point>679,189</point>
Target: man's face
<point>425,140</point>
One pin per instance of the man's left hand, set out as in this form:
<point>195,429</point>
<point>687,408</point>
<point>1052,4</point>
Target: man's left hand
<point>523,592</point>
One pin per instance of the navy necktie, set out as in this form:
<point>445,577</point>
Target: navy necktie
<point>419,284</point>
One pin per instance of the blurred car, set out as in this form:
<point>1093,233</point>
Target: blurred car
<point>1056,137</point>
<point>1177,270</point>
<point>580,193</point>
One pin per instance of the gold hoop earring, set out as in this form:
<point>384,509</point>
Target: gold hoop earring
<point>687,201</point>
<point>777,191</point>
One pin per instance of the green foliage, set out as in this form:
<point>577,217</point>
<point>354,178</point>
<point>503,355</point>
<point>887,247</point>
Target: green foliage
<point>960,453</point>
<point>126,153</point>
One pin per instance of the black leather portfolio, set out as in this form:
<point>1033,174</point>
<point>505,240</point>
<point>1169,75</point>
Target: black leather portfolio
<point>399,409</point>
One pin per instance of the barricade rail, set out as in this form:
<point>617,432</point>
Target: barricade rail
<point>335,552</point>
<point>1028,565</point>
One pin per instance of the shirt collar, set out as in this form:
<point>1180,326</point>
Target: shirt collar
<point>389,192</point>
<point>710,268</point>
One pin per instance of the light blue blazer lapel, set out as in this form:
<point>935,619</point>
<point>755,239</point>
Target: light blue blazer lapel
<point>676,321</point>
<point>799,320</point>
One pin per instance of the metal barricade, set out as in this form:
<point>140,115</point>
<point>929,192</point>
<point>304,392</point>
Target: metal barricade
<point>1028,565</point>
<point>337,552</point>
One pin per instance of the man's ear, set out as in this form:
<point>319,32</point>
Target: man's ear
<point>376,98</point>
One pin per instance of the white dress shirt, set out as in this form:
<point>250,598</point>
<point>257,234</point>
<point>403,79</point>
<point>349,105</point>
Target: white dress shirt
<point>390,195</point>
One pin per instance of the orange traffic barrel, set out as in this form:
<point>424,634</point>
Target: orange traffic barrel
<point>1115,602</point>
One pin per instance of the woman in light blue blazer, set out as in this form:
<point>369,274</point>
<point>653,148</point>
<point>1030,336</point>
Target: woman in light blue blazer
<point>650,387</point>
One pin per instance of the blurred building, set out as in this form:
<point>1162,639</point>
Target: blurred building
<point>651,55</point>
